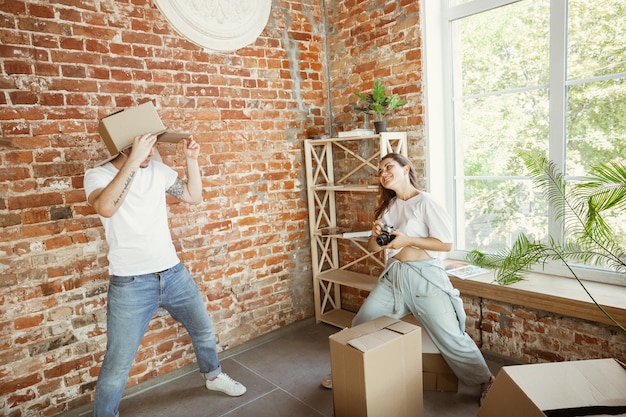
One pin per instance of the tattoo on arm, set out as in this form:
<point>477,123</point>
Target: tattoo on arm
<point>177,188</point>
<point>129,180</point>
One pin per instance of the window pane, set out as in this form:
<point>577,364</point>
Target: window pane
<point>596,107</point>
<point>502,49</point>
<point>494,129</point>
<point>493,213</point>
<point>596,125</point>
<point>616,219</point>
<point>501,108</point>
<point>500,85</point>
<point>596,38</point>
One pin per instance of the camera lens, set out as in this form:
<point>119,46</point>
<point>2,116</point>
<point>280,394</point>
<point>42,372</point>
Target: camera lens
<point>384,238</point>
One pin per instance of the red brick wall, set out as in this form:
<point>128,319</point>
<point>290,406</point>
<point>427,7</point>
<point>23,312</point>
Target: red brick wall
<point>371,41</point>
<point>66,63</point>
<point>382,40</point>
<point>531,336</point>
<point>377,40</point>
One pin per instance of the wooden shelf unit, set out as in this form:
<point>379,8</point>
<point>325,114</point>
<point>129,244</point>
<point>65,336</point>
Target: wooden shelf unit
<point>323,184</point>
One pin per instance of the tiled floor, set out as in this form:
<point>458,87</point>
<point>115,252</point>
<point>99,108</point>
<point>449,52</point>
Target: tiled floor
<point>282,372</point>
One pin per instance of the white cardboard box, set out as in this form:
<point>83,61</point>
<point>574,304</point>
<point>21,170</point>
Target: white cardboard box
<point>120,128</point>
<point>377,370</point>
<point>565,389</point>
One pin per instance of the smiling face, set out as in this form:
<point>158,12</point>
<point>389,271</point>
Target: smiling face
<point>391,174</point>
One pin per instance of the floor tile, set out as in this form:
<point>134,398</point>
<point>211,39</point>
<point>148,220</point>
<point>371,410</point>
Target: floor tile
<point>296,363</point>
<point>282,372</point>
<point>277,403</point>
<point>188,397</point>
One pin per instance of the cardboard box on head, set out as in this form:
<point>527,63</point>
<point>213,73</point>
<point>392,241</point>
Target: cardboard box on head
<point>120,128</point>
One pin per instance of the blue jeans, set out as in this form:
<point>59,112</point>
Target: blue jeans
<point>132,302</point>
<point>403,289</point>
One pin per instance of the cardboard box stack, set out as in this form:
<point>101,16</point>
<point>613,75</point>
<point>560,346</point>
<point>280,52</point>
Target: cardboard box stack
<point>436,373</point>
<point>376,371</point>
<point>560,389</point>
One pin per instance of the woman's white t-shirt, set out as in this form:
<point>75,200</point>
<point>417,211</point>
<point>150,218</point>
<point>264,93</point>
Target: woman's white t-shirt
<point>138,233</point>
<point>419,216</point>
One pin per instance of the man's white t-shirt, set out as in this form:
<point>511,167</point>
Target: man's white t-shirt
<point>419,216</point>
<point>138,233</point>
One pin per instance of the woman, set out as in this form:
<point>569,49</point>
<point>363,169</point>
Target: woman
<point>414,280</point>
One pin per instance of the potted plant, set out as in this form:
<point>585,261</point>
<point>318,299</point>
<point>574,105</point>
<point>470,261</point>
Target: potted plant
<point>581,206</point>
<point>379,104</point>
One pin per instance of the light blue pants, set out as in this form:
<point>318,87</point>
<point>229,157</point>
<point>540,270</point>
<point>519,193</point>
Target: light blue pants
<point>410,287</point>
<point>132,302</point>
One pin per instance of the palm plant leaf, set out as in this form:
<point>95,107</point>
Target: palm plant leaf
<point>580,206</point>
<point>548,178</point>
<point>606,189</point>
<point>510,264</point>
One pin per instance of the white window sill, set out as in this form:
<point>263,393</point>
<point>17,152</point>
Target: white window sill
<point>553,294</point>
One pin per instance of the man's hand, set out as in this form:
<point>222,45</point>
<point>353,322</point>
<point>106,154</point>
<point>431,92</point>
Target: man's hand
<point>192,192</point>
<point>191,148</point>
<point>106,201</point>
<point>142,148</point>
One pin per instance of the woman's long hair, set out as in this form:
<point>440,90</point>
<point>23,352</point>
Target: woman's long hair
<point>386,195</point>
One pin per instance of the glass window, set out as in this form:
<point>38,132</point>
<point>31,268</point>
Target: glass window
<point>539,76</point>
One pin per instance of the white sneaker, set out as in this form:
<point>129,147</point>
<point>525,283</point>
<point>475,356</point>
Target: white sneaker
<point>227,385</point>
<point>327,382</point>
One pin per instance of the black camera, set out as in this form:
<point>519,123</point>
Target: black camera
<point>385,237</point>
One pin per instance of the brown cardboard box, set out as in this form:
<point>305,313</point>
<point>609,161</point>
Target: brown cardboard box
<point>564,389</point>
<point>436,373</point>
<point>120,128</point>
<point>375,370</point>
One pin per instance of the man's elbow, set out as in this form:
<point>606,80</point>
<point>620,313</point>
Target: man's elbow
<point>103,211</point>
<point>194,199</point>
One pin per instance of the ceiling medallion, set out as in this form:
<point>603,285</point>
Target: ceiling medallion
<point>218,25</point>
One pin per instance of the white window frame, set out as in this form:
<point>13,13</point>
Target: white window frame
<point>436,16</point>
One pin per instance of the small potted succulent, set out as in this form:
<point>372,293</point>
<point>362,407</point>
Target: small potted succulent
<point>379,104</point>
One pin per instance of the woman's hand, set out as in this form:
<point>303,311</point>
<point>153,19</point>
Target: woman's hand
<point>377,228</point>
<point>400,241</point>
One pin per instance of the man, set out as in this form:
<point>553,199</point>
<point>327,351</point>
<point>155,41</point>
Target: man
<point>129,195</point>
